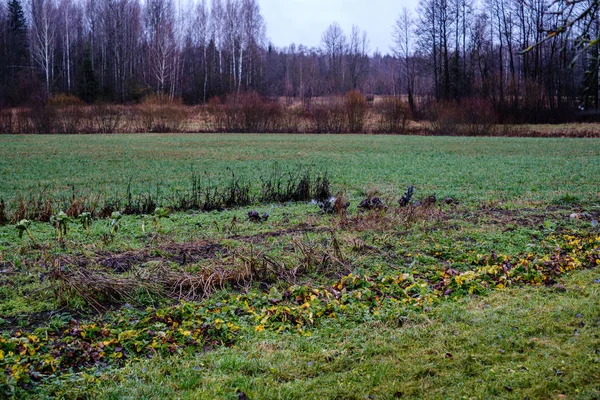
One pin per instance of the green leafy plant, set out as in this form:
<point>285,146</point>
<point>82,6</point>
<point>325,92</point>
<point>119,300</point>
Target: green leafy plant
<point>85,219</point>
<point>158,215</point>
<point>114,223</point>
<point>61,224</point>
<point>23,226</point>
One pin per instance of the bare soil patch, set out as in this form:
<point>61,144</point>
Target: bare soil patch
<point>180,253</point>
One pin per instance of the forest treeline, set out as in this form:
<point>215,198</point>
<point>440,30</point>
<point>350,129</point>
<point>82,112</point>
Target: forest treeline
<point>445,52</point>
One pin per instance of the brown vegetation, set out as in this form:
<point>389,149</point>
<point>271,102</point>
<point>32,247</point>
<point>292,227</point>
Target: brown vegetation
<point>394,115</point>
<point>251,113</point>
<point>356,110</point>
<point>469,117</point>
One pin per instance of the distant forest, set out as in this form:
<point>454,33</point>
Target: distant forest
<point>124,50</point>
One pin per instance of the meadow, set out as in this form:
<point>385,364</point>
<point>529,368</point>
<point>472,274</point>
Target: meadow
<point>473,169</point>
<point>482,283</point>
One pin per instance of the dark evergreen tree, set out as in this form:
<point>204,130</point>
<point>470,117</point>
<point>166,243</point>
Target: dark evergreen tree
<point>17,53</point>
<point>88,84</point>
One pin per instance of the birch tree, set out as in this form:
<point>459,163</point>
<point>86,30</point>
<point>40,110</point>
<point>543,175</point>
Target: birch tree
<point>43,38</point>
<point>159,29</point>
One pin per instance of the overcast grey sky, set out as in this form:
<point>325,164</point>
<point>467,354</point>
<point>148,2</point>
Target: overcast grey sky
<point>303,21</point>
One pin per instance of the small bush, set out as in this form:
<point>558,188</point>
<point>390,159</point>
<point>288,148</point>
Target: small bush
<point>42,118</point>
<point>469,117</point>
<point>161,114</point>
<point>356,111</point>
<point>6,120</point>
<point>289,121</point>
<point>245,113</point>
<point>106,118</point>
<point>69,113</point>
<point>394,115</point>
<point>329,118</point>
<point>480,117</point>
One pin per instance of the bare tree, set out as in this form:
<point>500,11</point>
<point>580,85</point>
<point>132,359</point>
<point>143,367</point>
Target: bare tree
<point>43,38</point>
<point>159,29</point>
<point>201,36</point>
<point>251,41</point>
<point>334,44</point>
<point>403,37</point>
<point>358,56</point>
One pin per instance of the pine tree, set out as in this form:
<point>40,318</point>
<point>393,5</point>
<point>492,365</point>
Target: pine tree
<point>88,85</point>
<point>17,52</point>
<point>17,31</point>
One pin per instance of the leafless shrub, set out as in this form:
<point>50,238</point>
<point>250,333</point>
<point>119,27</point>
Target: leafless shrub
<point>21,121</point>
<point>289,121</point>
<point>471,117</point>
<point>394,115</point>
<point>479,116</point>
<point>42,118</point>
<point>6,120</point>
<point>161,114</point>
<point>356,111</point>
<point>69,113</point>
<point>246,113</point>
<point>330,117</point>
<point>107,118</point>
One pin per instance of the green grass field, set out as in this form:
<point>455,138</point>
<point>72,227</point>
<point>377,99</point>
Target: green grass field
<point>493,295</point>
<point>473,169</point>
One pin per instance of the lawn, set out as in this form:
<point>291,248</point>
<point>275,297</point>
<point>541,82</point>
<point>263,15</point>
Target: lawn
<point>490,289</point>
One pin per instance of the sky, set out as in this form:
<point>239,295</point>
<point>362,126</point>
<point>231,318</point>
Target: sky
<point>303,21</point>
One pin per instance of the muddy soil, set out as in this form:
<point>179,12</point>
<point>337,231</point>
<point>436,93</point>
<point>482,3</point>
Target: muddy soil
<point>179,253</point>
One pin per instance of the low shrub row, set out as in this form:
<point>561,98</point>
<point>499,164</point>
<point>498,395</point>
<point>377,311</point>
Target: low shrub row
<point>64,114</point>
<point>251,113</point>
<point>238,113</point>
